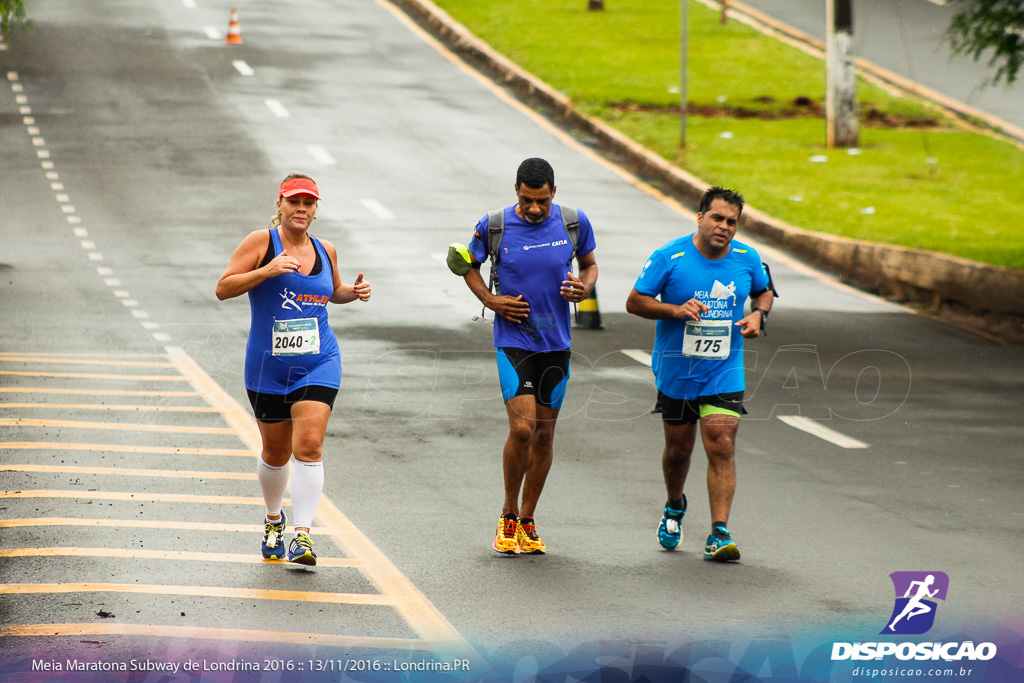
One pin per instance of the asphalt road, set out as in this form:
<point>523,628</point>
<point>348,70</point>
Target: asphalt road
<point>908,37</point>
<point>138,151</point>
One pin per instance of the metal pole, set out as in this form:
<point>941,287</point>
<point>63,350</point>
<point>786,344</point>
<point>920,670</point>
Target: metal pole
<point>840,76</point>
<point>683,39</point>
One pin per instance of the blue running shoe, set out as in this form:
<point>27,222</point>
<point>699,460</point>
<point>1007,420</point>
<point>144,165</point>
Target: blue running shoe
<point>301,550</point>
<point>273,538</point>
<point>720,546</point>
<point>670,531</point>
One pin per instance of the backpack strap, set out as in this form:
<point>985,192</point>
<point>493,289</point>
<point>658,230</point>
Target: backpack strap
<point>495,231</point>
<point>571,222</point>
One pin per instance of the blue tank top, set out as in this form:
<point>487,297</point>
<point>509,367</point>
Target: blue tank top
<point>291,345</point>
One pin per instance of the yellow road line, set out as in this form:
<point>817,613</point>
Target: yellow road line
<point>118,448</point>
<point>141,554</point>
<point>229,634</point>
<point>113,426</point>
<point>141,524</point>
<point>94,392</point>
<point>129,472</point>
<point>147,497</point>
<point>197,591</point>
<point>237,417</point>
<point>85,361</point>
<point>100,406</point>
<point>421,615</point>
<point>92,375</point>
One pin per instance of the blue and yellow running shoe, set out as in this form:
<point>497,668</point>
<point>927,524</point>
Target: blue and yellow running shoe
<point>273,538</point>
<point>720,546</point>
<point>670,531</point>
<point>301,550</point>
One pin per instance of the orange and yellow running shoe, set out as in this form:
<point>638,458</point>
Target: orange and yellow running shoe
<point>506,541</point>
<point>529,541</point>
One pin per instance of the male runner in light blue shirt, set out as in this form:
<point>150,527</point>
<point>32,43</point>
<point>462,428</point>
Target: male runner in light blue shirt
<point>703,281</point>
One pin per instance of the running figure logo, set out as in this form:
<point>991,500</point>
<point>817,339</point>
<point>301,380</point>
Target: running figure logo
<point>914,612</point>
<point>289,300</point>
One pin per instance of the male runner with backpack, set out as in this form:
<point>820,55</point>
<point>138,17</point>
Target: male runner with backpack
<point>531,246</point>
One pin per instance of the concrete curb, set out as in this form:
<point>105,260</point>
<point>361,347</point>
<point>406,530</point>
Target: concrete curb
<point>956,289</point>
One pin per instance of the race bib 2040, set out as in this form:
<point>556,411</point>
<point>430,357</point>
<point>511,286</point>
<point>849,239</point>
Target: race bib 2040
<point>296,337</point>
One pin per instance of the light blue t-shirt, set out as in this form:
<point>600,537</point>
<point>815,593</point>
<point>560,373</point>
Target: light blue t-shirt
<point>677,272</point>
<point>533,262</point>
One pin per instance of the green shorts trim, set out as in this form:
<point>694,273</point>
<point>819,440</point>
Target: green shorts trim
<point>706,410</point>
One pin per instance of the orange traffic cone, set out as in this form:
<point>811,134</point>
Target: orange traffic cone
<point>234,34</point>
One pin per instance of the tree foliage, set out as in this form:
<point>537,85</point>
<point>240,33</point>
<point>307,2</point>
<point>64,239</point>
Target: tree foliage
<point>12,13</point>
<point>993,27</point>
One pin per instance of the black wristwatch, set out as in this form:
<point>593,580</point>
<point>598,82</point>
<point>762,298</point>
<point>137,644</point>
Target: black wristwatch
<point>764,317</point>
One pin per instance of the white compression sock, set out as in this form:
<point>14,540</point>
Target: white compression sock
<point>273,481</point>
<point>307,485</point>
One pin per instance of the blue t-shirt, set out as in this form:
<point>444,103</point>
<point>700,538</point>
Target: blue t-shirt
<point>533,262</point>
<point>677,272</point>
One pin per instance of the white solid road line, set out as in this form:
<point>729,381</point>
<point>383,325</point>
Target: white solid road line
<point>321,155</point>
<point>377,209</point>
<point>279,109</point>
<point>821,431</point>
<point>639,356</point>
<point>243,67</point>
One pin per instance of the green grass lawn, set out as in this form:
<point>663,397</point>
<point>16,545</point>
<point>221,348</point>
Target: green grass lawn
<point>622,66</point>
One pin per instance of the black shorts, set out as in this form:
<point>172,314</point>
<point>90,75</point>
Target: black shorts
<point>681,411</point>
<point>273,408</point>
<point>537,373</point>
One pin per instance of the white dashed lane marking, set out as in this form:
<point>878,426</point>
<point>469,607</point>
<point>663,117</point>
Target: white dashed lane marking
<point>822,432</point>
<point>321,155</point>
<point>243,68</point>
<point>277,108</point>
<point>64,201</point>
<point>377,209</point>
<point>212,33</point>
<point>639,356</point>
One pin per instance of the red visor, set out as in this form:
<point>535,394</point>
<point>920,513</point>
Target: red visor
<point>295,186</point>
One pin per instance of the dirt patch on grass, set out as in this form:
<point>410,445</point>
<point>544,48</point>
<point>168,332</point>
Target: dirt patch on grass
<point>799,107</point>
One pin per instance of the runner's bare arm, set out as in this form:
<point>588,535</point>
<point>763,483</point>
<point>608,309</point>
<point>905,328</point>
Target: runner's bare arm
<point>646,306</point>
<point>579,288</point>
<point>513,309</point>
<point>243,273</point>
<point>752,324</point>
<point>345,293</point>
